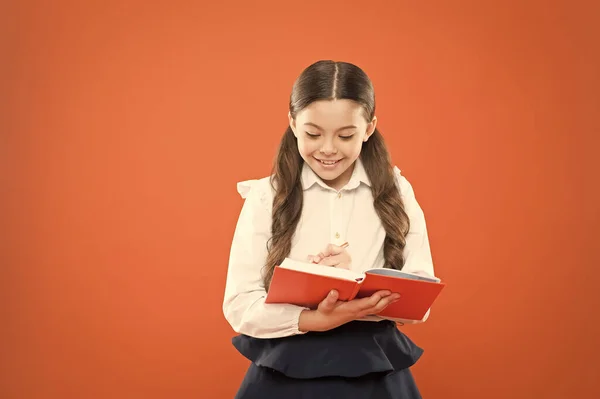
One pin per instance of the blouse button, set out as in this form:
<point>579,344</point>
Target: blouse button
<point>337,235</point>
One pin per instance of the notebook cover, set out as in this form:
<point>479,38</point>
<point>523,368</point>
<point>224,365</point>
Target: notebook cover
<point>304,289</point>
<point>416,296</point>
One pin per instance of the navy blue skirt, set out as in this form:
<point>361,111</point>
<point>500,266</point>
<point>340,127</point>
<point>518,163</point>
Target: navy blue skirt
<point>357,360</point>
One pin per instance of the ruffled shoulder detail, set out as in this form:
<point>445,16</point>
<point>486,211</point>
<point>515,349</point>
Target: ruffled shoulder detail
<point>352,350</point>
<point>404,186</point>
<point>258,191</point>
<point>400,179</point>
<point>244,187</point>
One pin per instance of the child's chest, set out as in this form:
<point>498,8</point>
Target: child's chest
<point>330,217</point>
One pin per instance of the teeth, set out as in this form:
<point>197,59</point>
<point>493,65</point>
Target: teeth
<point>328,162</point>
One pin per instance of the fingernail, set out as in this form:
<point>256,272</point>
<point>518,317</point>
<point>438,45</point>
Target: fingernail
<point>395,297</point>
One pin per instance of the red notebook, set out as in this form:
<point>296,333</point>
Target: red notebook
<point>307,284</point>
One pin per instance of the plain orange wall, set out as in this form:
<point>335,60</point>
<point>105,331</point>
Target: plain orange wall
<point>124,129</point>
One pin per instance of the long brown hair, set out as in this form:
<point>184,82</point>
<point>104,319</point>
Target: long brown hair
<point>328,80</point>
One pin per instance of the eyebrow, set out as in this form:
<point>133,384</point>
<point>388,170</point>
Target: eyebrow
<point>340,129</point>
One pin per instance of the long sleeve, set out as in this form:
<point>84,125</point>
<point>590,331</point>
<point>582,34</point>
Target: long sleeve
<point>417,252</point>
<point>244,302</point>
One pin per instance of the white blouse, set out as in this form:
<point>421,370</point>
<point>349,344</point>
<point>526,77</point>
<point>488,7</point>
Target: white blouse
<point>327,216</point>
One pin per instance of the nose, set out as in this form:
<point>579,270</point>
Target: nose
<point>328,148</point>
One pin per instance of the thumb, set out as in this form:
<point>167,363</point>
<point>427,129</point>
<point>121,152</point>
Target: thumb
<point>329,302</point>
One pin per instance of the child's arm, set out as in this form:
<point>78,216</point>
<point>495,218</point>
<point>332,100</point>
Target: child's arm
<point>417,253</point>
<point>244,303</point>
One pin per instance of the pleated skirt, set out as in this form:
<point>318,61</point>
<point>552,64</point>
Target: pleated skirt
<point>357,360</point>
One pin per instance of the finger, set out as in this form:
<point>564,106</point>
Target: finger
<point>383,303</point>
<point>373,300</point>
<point>331,260</point>
<point>329,302</point>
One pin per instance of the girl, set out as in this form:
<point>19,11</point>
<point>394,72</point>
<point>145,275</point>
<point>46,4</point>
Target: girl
<point>332,183</point>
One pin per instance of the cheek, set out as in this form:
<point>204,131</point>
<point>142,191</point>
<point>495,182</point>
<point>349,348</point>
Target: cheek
<point>352,149</point>
<point>307,147</point>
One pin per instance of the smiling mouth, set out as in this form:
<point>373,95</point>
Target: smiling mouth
<point>328,162</point>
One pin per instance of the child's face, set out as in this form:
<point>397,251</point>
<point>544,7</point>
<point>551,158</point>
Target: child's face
<point>330,136</point>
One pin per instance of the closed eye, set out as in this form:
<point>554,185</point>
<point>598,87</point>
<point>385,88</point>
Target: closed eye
<point>346,137</point>
<point>312,135</point>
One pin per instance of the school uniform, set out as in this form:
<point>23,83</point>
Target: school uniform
<point>367,358</point>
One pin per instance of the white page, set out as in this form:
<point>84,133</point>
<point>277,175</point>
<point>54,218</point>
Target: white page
<point>401,274</point>
<point>321,270</point>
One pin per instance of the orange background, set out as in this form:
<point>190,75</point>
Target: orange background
<point>126,125</point>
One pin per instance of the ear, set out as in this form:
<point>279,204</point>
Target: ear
<point>292,123</point>
<point>370,128</point>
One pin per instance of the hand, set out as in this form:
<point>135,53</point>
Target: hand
<point>332,313</point>
<point>333,255</point>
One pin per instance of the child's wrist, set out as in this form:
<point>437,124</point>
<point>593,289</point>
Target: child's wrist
<point>311,320</point>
